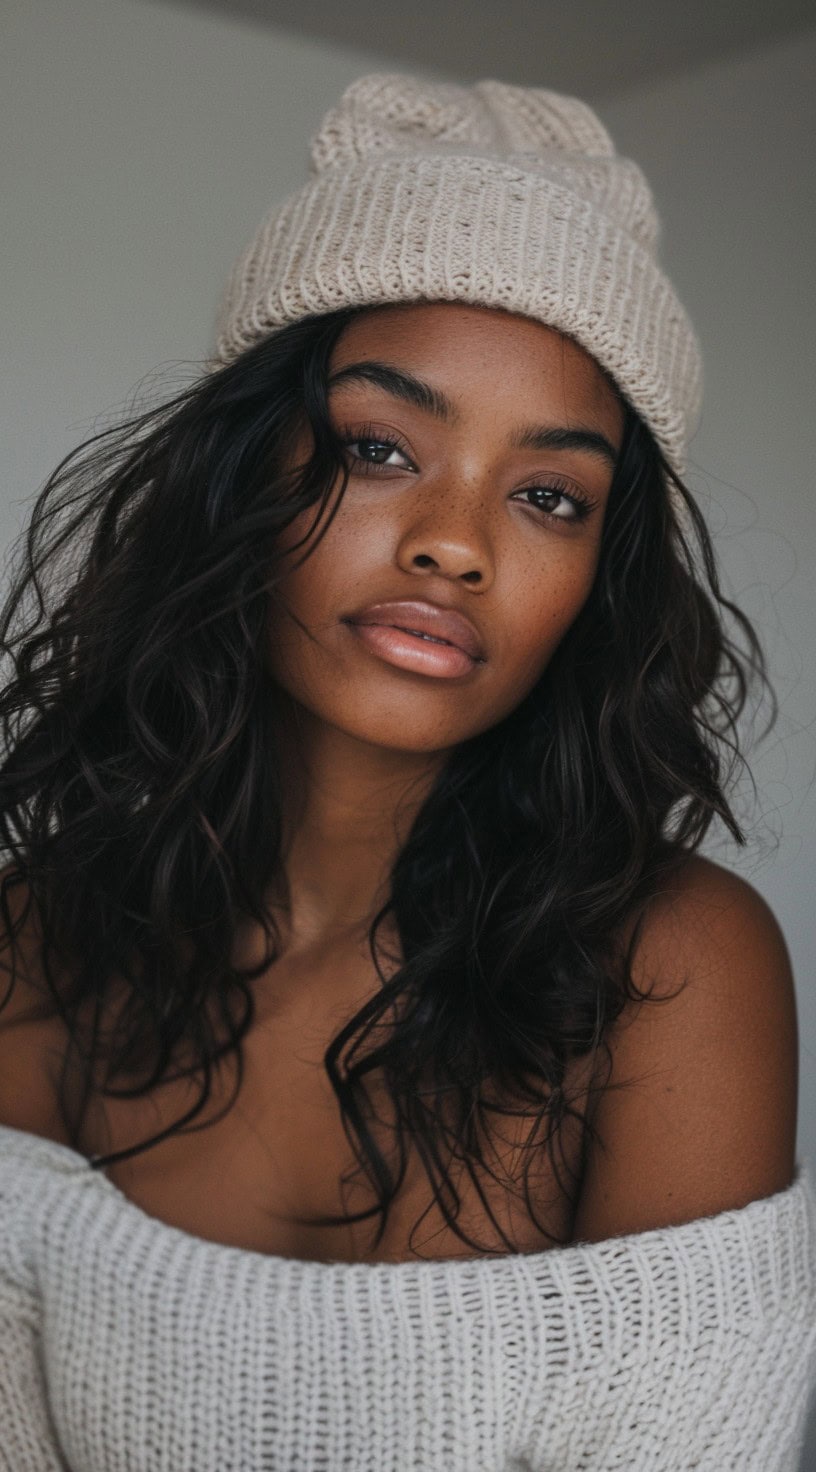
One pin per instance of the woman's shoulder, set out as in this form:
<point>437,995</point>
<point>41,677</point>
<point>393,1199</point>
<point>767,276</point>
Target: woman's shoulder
<point>699,1111</point>
<point>705,917</point>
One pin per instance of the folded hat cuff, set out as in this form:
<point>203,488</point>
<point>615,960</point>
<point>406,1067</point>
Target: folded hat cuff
<point>476,230</point>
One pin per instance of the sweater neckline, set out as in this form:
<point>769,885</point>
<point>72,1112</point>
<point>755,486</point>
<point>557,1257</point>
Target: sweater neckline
<point>26,1143</point>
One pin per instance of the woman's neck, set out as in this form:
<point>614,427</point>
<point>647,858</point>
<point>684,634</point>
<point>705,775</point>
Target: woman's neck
<point>348,809</point>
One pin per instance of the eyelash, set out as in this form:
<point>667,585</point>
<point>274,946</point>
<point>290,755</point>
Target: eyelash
<point>582,505</point>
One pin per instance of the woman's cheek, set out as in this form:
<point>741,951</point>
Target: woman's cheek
<point>536,640</point>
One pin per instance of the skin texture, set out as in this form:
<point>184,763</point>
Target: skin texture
<point>447,520</point>
<point>707,1119</point>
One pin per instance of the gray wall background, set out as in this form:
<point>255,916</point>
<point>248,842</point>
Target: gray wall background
<point>143,144</point>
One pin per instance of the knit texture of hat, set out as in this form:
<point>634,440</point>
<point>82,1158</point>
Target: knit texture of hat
<point>495,195</point>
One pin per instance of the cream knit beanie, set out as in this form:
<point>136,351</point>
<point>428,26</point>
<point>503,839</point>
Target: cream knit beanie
<point>500,196</point>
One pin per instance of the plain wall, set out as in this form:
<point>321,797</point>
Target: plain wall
<point>143,145</point>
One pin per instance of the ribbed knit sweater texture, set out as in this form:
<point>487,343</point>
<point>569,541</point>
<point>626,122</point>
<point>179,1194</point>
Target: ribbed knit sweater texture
<point>129,1345</point>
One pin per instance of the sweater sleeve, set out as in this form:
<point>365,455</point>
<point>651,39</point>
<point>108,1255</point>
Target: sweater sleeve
<point>728,1402</point>
<point>704,1357</point>
<point>739,1404</point>
<point>753,1410</point>
<point>28,1441</point>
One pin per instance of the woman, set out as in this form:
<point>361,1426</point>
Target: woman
<point>387,1082</point>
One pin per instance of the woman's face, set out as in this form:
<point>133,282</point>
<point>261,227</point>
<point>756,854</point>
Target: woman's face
<point>482,447</point>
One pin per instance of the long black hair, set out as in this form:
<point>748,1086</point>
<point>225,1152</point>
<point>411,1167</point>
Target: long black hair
<point>142,812</point>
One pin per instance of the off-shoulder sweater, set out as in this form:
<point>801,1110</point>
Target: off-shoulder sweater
<point>129,1345</point>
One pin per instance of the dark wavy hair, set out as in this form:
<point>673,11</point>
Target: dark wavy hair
<point>142,812</point>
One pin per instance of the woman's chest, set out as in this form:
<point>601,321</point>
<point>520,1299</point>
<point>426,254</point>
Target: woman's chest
<point>280,1155</point>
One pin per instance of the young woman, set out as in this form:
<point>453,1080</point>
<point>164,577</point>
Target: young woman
<point>386,1082</point>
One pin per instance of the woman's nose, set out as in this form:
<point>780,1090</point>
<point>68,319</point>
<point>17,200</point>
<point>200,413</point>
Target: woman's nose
<point>452,543</point>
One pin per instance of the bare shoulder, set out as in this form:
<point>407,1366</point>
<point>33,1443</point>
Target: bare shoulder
<point>700,1110</point>
<point>29,1040</point>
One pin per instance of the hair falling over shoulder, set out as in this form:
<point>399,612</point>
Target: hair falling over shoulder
<point>141,814</point>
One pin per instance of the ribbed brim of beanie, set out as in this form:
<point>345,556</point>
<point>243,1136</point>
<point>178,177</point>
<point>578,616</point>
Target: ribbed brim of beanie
<point>493,195</point>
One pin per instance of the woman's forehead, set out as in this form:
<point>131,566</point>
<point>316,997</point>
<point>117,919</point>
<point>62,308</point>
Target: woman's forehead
<point>459,350</point>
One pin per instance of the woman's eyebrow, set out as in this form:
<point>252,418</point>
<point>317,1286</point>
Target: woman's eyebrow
<point>558,437</point>
<point>403,385</point>
<point>400,384</point>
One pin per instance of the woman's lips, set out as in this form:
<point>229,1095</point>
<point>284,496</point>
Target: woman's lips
<point>420,616</point>
<point>413,652</point>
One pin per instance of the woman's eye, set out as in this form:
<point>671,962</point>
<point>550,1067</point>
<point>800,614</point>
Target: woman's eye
<point>557,503</point>
<point>561,505</point>
<point>373,451</point>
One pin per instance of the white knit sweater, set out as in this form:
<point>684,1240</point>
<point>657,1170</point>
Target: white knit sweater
<point>127,1345</point>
